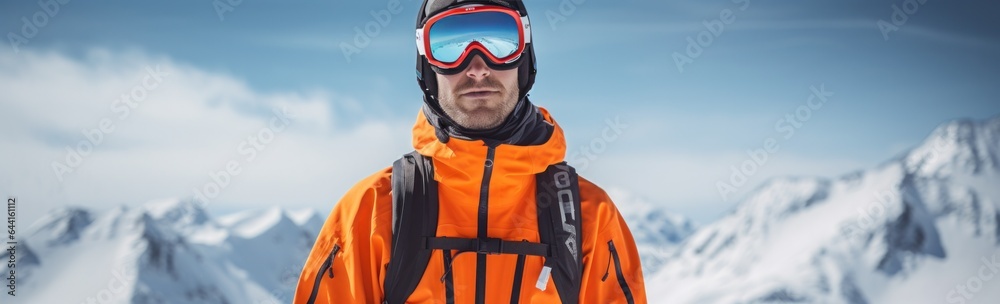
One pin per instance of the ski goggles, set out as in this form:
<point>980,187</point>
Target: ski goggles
<point>499,33</point>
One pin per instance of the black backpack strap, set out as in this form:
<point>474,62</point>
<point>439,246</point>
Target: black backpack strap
<point>559,225</point>
<point>415,195</point>
<point>487,246</point>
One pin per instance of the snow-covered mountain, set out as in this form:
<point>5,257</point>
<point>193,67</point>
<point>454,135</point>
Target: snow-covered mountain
<point>921,228</point>
<point>168,251</point>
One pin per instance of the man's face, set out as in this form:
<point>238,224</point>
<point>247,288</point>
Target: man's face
<point>478,98</point>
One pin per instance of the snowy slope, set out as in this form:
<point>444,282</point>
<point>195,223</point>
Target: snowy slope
<point>167,251</point>
<point>923,228</point>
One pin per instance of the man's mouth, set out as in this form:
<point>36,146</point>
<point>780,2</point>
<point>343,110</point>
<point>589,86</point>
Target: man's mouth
<point>479,93</point>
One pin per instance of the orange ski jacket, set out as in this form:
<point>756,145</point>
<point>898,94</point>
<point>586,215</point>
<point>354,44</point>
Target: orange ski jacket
<point>358,232</point>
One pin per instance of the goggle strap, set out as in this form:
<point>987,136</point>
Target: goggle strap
<point>420,42</point>
<point>527,29</point>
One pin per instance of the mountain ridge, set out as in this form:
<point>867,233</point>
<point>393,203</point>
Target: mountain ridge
<point>835,240</point>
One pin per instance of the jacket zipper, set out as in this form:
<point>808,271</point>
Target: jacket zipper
<point>326,267</point>
<point>618,272</point>
<point>484,193</point>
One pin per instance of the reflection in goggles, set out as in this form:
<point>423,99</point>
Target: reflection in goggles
<point>452,35</point>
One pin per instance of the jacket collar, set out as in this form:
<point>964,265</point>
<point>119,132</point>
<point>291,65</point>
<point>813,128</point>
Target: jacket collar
<point>466,157</point>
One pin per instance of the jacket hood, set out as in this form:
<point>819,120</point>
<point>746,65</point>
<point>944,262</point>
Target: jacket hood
<point>468,155</point>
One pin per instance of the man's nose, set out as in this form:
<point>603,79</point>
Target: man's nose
<point>477,69</point>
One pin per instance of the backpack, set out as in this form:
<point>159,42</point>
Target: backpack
<point>414,233</point>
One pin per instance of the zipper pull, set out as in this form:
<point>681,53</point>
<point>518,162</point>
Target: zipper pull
<point>607,269</point>
<point>543,278</point>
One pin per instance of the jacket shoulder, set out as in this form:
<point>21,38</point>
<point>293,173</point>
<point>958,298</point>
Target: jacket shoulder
<point>594,195</point>
<point>597,208</point>
<point>376,184</point>
<point>363,205</point>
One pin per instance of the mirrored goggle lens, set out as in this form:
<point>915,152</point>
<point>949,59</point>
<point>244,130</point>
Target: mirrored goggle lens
<point>451,36</point>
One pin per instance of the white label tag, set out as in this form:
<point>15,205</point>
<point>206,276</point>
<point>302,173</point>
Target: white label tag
<point>543,278</point>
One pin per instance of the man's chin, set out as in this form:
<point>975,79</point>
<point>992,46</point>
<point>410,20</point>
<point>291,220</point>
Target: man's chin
<point>480,119</point>
<point>471,102</point>
<point>478,106</point>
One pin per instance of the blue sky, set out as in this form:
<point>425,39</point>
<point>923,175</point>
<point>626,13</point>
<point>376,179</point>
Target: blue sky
<point>598,61</point>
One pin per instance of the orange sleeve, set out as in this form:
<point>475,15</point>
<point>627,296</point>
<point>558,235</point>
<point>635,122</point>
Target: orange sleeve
<point>612,272</point>
<point>346,262</point>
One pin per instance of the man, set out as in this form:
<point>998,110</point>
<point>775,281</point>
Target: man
<point>487,148</point>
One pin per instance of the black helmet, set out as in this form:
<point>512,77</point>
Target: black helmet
<point>524,125</point>
<point>425,71</point>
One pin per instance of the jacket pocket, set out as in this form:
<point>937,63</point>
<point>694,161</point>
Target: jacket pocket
<point>326,268</point>
<point>618,272</point>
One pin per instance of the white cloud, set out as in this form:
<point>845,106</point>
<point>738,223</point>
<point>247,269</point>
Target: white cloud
<point>191,123</point>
